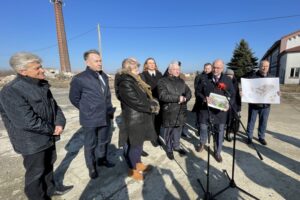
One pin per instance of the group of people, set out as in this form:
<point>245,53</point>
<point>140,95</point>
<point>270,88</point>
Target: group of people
<point>152,104</point>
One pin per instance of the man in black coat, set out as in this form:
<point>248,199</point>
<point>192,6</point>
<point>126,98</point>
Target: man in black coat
<point>173,95</point>
<point>90,93</point>
<point>207,68</point>
<point>34,122</point>
<point>210,116</point>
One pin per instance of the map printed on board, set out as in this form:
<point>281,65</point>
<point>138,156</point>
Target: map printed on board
<point>260,90</point>
<point>218,101</point>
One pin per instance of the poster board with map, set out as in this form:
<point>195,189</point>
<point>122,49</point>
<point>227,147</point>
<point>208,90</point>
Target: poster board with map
<point>260,90</point>
<point>219,102</point>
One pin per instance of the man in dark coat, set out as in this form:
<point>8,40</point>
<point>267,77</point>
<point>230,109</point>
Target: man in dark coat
<point>173,95</point>
<point>34,122</point>
<point>210,116</point>
<point>151,76</point>
<point>90,93</point>
<point>207,68</point>
<point>262,110</point>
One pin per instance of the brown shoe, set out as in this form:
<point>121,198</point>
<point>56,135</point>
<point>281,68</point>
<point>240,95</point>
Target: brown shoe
<point>200,148</point>
<point>142,167</point>
<point>136,175</point>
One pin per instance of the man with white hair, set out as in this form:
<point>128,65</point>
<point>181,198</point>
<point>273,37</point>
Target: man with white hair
<point>212,117</point>
<point>34,123</point>
<point>173,94</point>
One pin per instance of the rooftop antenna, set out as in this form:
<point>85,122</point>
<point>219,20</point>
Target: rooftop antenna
<point>61,36</point>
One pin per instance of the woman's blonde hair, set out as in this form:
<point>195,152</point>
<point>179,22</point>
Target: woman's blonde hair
<point>129,63</point>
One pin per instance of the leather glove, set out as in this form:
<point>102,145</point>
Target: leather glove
<point>154,106</point>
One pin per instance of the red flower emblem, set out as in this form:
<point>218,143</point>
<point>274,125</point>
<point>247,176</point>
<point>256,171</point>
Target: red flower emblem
<point>222,86</point>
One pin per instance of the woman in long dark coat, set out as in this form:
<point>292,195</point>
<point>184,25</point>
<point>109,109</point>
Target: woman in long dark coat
<point>138,106</point>
<point>151,76</point>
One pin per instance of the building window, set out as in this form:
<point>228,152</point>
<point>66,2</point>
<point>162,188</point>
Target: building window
<point>295,72</point>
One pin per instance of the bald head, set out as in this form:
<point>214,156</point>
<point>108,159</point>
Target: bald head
<point>218,67</point>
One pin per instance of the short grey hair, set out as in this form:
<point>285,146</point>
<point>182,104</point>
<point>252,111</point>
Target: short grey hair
<point>87,53</point>
<point>19,60</point>
<point>262,62</point>
<point>174,63</point>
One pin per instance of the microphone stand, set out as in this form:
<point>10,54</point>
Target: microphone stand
<point>232,183</point>
<point>207,194</point>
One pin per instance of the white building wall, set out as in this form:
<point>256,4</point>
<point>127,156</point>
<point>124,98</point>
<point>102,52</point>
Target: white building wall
<point>292,60</point>
<point>293,42</point>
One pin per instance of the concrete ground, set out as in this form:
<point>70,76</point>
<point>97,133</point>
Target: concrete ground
<point>277,176</point>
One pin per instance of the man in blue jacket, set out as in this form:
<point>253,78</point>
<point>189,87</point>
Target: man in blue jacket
<point>34,122</point>
<point>90,93</point>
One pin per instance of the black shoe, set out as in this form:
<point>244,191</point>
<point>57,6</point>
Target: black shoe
<point>170,155</point>
<point>93,173</point>
<point>228,138</point>
<point>262,141</point>
<point>159,142</point>
<point>249,141</point>
<point>218,158</point>
<point>104,162</point>
<point>144,153</point>
<point>61,190</point>
<point>154,143</point>
<point>199,148</point>
<point>180,151</point>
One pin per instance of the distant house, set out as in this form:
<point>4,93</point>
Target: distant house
<point>284,57</point>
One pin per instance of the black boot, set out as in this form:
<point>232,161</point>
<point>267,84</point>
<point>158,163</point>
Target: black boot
<point>227,136</point>
<point>104,162</point>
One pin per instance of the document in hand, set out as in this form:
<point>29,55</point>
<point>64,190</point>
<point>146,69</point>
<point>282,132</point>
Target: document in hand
<point>219,102</point>
<point>260,90</point>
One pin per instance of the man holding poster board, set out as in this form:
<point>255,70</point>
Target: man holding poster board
<point>260,91</point>
<point>212,91</point>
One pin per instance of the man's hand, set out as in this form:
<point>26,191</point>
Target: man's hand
<point>182,99</point>
<point>58,130</point>
<point>278,93</point>
<point>208,100</point>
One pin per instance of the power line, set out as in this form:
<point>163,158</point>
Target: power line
<point>72,38</point>
<point>202,25</point>
<point>172,27</point>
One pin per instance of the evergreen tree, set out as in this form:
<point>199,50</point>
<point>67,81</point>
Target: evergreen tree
<point>243,60</point>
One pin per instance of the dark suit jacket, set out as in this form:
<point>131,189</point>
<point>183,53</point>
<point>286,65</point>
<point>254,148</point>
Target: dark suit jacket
<point>86,94</point>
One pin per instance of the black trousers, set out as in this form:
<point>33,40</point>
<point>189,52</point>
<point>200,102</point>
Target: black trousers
<point>39,183</point>
<point>96,140</point>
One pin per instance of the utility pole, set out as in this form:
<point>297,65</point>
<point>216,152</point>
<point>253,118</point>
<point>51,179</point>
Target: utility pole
<point>61,36</point>
<point>99,40</point>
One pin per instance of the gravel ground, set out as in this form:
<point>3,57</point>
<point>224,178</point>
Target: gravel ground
<point>277,176</point>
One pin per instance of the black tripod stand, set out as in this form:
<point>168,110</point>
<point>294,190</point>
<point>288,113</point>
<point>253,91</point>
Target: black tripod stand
<point>232,183</point>
<point>207,194</point>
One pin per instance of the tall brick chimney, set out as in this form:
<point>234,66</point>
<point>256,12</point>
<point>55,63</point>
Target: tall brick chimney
<point>61,36</point>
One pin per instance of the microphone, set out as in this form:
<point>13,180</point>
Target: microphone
<point>223,87</point>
